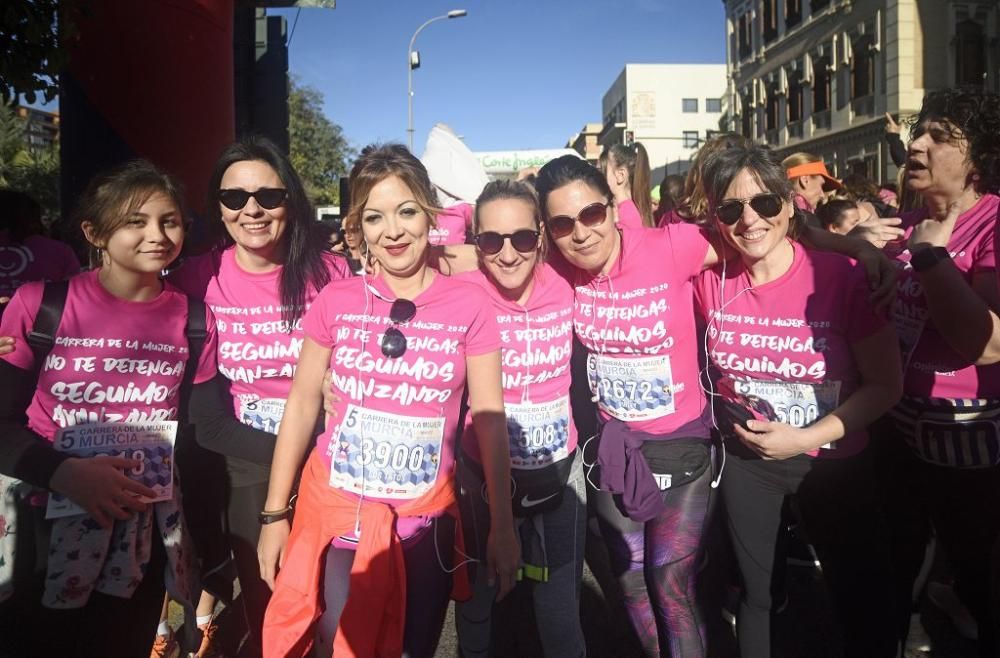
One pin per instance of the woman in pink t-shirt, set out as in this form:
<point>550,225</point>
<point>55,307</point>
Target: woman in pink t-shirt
<point>259,280</point>
<point>942,442</point>
<point>801,364</point>
<point>401,345</point>
<point>533,306</point>
<point>111,383</point>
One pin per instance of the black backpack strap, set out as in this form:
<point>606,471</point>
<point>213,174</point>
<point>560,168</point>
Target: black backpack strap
<point>42,336</point>
<point>196,333</point>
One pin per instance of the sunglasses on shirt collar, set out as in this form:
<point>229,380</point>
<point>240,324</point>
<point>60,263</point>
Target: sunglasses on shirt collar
<point>766,205</point>
<point>393,341</point>
<point>267,198</point>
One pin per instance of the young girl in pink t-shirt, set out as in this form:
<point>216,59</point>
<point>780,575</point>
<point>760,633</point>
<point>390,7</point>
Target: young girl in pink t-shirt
<point>801,363</point>
<point>375,513</point>
<point>109,390</point>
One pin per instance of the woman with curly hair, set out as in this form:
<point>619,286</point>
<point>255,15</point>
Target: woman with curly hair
<point>942,441</point>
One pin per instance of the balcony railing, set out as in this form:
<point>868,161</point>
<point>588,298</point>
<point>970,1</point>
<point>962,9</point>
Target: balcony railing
<point>795,130</point>
<point>821,120</point>
<point>864,105</point>
<point>772,136</point>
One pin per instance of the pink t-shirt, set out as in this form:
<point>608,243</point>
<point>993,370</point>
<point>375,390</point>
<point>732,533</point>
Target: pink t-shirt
<point>802,203</point>
<point>932,369</point>
<point>36,259</point>
<point>451,224</point>
<point>398,416</point>
<point>638,325</point>
<point>256,353</point>
<point>628,215</point>
<point>113,361</point>
<point>537,341</point>
<point>787,343</point>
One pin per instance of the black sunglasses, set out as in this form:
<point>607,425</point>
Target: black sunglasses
<point>491,242</point>
<point>766,205</point>
<point>268,198</point>
<point>393,341</point>
<point>592,215</point>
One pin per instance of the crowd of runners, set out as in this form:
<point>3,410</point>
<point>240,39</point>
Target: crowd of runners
<point>358,433</point>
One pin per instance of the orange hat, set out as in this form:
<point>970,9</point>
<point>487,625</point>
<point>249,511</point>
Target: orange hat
<point>815,169</point>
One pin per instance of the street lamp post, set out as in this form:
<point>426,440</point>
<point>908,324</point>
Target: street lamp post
<point>410,65</point>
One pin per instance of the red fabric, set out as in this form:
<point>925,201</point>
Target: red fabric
<point>372,622</point>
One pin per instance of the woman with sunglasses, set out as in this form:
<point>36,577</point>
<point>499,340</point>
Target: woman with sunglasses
<point>366,566</point>
<point>634,313</point>
<point>259,281</point>
<point>802,363</point>
<point>533,305</point>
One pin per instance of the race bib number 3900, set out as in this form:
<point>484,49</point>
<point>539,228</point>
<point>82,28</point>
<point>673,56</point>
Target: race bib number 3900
<point>539,433</point>
<point>386,455</point>
<point>632,388</point>
<point>149,444</point>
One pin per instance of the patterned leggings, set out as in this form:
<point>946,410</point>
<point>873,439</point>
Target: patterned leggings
<point>655,563</point>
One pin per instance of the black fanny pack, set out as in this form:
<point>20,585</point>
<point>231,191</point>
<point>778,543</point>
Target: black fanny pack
<point>676,462</point>
<point>536,490</point>
<point>541,489</point>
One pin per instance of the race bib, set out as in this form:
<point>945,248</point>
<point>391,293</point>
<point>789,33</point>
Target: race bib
<point>386,455</point>
<point>632,388</point>
<point>262,414</point>
<point>795,403</point>
<point>152,444</point>
<point>538,433</point>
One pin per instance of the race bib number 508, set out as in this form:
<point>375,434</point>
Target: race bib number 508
<point>385,455</point>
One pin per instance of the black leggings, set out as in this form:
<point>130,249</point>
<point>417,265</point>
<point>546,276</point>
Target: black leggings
<point>107,626</point>
<point>245,502</point>
<point>962,504</point>
<point>838,505</point>
<point>427,590</point>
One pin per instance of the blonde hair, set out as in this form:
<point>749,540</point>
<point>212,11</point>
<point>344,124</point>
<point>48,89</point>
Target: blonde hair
<point>800,158</point>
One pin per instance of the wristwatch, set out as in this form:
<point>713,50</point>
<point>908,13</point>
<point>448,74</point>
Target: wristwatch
<point>927,258</point>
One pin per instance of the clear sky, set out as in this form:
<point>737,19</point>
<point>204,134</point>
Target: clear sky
<point>513,74</point>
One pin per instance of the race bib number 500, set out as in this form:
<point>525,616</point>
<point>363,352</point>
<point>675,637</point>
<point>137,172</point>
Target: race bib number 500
<point>385,455</point>
<point>795,403</point>
<point>149,444</point>
<point>632,388</point>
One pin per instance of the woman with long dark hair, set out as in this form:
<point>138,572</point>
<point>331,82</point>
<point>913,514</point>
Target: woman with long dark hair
<point>261,277</point>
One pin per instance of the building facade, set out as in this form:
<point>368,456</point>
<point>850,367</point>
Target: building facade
<point>41,128</point>
<point>819,75</point>
<point>670,108</point>
<point>585,142</point>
